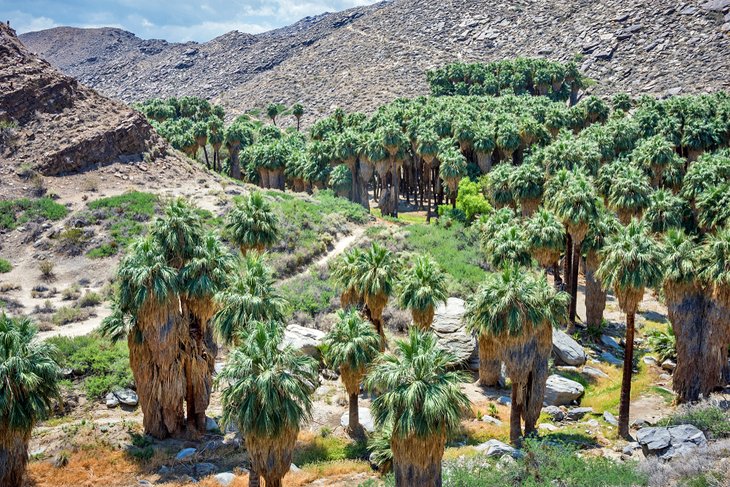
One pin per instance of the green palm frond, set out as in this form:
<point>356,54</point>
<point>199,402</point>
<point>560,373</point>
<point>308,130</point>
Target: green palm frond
<point>423,285</point>
<point>253,224</point>
<point>352,342</point>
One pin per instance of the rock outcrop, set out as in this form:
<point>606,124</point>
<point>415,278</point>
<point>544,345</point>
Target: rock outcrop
<point>450,330</point>
<point>59,126</point>
<point>560,391</point>
<point>667,443</point>
<point>566,350</point>
<point>363,57</point>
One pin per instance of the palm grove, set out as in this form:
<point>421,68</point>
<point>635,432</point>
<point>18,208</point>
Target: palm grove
<point>635,191</point>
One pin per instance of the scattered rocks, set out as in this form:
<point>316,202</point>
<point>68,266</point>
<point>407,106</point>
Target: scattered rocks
<point>185,453</point>
<point>610,358</point>
<point>306,340</point>
<point>111,401</point>
<point>366,420</point>
<point>640,423</point>
<point>566,350</point>
<point>610,342</point>
<point>649,360</point>
<point>504,400</point>
<point>489,419</point>
<point>560,391</point>
<point>574,414</point>
<point>717,5</point>
<point>610,418</point>
<point>667,443</point>
<point>496,449</point>
<point>127,397</point>
<point>555,413</point>
<point>631,448</point>
<point>450,331</point>
<point>204,469</point>
<point>593,372</point>
<point>669,365</point>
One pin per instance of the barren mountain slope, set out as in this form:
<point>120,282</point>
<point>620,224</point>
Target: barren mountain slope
<point>368,55</point>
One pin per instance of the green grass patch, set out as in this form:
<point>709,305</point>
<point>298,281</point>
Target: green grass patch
<point>104,250</point>
<point>132,203</point>
<point>5,266</point>
<point>125,217</point>
<point>19,211</point>
<point>309,293</point>
<point>710,419</point>
<point>99,364</point>
<point>325,449</point>
<point>456,248</point>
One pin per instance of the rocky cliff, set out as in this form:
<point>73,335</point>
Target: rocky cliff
<point>51,123</point>
<point>365,56</point>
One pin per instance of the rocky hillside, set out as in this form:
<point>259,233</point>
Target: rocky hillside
<point>365,56</point>
<point>53,125</point>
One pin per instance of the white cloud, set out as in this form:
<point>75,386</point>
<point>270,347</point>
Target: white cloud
<point>203,31</point>
<point>23,22</point>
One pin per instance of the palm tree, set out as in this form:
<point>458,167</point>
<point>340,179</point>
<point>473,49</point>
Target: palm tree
<point>200,132</point>
<point>28,387</point>
<point>526,184</point>
<point>252,224</point>
<point>272,110</point>
<point>249,297</point>
<point>452,168</point>
<point>546,237</point>
<point>421,288</point>
<point>344,273</point>
<point>576,206</point>
<point>298,112</point>
<point>629,194</point>
<point>631,262</point>
<point>237,135</point>
<point>421,402</point>
<point>517,309</point>
<point>508,245</point>
<point>686,294</point>
<point>375,276</point>
<point>595,293</point>
<point>350,347</point>
<point>267,395</point>
<point>717,273</point>
<point>666,211</point>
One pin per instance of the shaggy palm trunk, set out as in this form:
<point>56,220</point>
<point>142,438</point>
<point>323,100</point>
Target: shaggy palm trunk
<point>254,479</point>
<point>623,413</point>
<point>199,352</point>
<point>568,261</point>
<point>515,416</point>
<point>417,461</point>
<point>574,285</point>
<point>423,318</point>
<point>207,162</point>
<point>374,312</point>
<point>13,456</point>
<point>595,294</point>
<point>271,456</point>
<point>351,380</point>
<point>718,341</point>
<point>490,366</point>
<point>484,161</point>
<point>538,379</point>
<point>687,310</point>
<point>235,165</point>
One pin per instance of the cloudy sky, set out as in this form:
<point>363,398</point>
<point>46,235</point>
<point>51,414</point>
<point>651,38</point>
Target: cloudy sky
<point>179,20</point>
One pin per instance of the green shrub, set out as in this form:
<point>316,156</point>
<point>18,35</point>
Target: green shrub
<point>309,294</point>
<point>664,344</point>
<point>102,365</point>
<point>471,200</point>
<point>329,448</point>
<point>5,266</point>
<point>68,314</point>
<point>19,211</point>
<point>89,299</point>
<point>103,250</point>
<point>132,203</point>
<point>709,418</point>
<point>46,267</point>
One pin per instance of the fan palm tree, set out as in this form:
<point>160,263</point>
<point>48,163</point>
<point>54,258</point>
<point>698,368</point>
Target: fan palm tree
<point>200,132</point>
<point>717,273</point>
<point>267,395</point>
<point>629,194</point>
<point>631,262</point>
<point>272,110</point>
<point>546,237</point>
<point>517,309</point>
<point>249,297</point>
<point>350,347</point>
<point>422,403</point>
<point>29,378</point>
<point>595,293</point>
<point>252,224</point>
<point>237,135</point>
<point>421,288</point>
<point>526,184</point>
<point>375,277</point>
<point>576,206</point>
<point>452,168</point>
<point>298,112</point>
<point>344,273</point>
<point>508,245</point>
<point>666,211</point>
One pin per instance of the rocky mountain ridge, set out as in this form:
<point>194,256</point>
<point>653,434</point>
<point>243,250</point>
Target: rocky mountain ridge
<point>366,56</point>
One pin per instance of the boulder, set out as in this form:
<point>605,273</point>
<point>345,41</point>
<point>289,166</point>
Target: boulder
<point>204,469</point>
<point>489,419</point>
<point>610,418</point>
<point>496,449</point>
<point>366,420</point>
<point>593,372</point>
<point>127,397</point>
<point>111,401</point>
<point>560,391</point>
<point>610,342</point>
<point>610,358</point>
<point>555,413</point>
<point>504,400</point>
<point>674,441</point>
<point>631,447</point>
<point>669,365</point>
<point>225,479</point>
<point>566,350</point>
<point>185,453</point>
<point>450,331</point>
<point>574,414</point>
<point>211,424</point>
<point>306,340</point>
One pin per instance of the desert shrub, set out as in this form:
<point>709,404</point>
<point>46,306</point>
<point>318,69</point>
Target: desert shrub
<point>20,211</point>
<point>711,419</point>
<point>5,266</point>
<point>544,465</point>
<point>68,314</point>
<point>104,250</point>
<point>101,365</point>
<point>663,343</point>
<point>90,184</point>
<point>8,286</point>
<point>89,299</point>
<point>46,267</point>
<point>71,293</point>
<point>310,294</point>
<point>72,241</point>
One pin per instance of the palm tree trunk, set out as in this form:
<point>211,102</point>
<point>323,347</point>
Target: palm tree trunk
<point>254,479</point>
<point>13,456</point>
<point>235,166</point>
<point>538,379</point>
<point>354,416</point>
<point>687,310</point>
<point>595,294</point>
<point>515,417</point>
<point>207,163</point>
<point>568,261</point>
<point>574,285</point>
<point>490,366</point>
<point>417,461</point>
<point>623,413</point>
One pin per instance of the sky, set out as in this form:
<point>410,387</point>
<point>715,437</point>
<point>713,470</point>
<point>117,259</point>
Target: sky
<point>177,21</point>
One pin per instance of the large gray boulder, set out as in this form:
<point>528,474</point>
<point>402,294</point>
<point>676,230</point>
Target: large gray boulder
<point>366,420</point>
<point>450,330</point>
<point>306,340</point>
<point>566,350</point>
<point>560,391</point>
<point>496,449</point>
<point>674,441</point>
